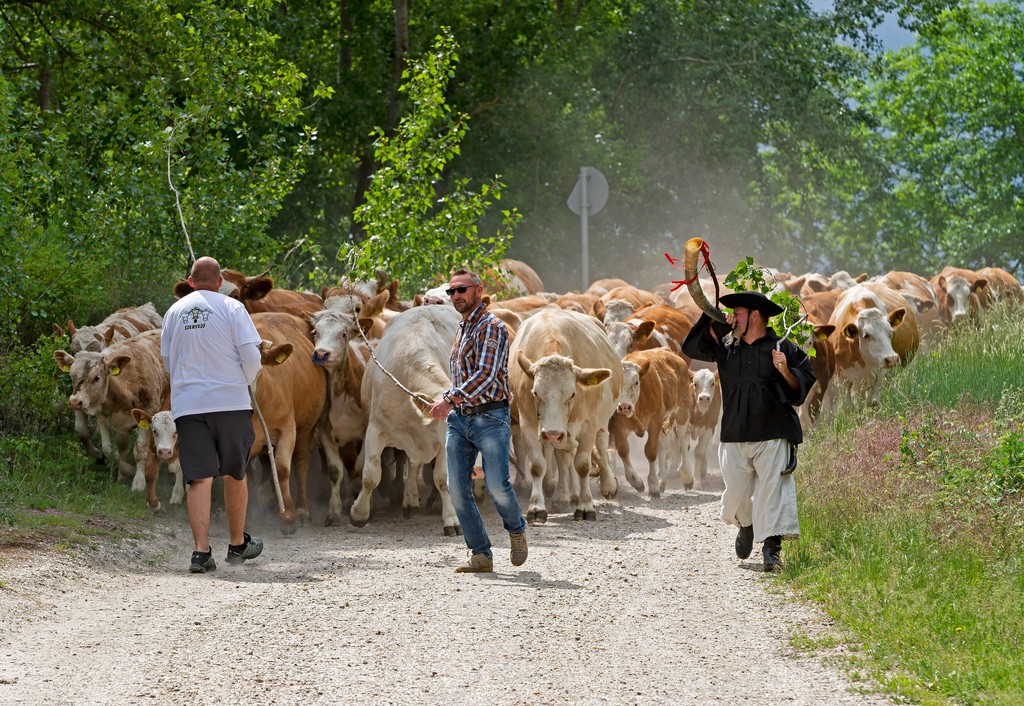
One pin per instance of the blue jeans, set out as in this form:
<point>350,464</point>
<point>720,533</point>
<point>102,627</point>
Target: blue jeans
<point>490,434</point>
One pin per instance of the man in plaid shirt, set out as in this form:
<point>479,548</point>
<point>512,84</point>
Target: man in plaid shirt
<point>477,410</point>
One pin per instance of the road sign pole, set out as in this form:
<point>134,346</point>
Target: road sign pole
<point>584,209</point>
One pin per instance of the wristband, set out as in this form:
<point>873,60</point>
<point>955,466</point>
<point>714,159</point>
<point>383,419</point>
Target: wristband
<point>447,399</point>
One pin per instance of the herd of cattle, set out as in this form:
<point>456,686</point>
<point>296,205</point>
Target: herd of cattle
<point>586,370</point>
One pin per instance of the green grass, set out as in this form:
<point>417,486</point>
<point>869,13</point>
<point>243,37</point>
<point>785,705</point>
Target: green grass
<point>912,522</point>
<point>51,494</point>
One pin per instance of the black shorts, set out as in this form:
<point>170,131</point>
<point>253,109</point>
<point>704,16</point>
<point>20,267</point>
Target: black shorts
<point>215,444</point>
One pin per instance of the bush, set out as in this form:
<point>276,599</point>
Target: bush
<point>33,392</point>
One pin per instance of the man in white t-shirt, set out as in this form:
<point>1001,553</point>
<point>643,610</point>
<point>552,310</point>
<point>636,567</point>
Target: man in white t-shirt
<point>211,351</point>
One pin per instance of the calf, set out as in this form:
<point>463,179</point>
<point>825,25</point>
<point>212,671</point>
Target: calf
<point>704,418</point>
<point>163,446</point>
<point>656,396</point>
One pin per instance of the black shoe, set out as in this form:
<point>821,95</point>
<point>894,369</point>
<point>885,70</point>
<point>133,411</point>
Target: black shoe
<point>251,548</point>
<point>771,550</point>
<point>202,562</point>
<point>745,541</point>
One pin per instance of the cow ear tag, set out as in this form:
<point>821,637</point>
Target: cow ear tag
<point>144,424</point>
<point>66,368</point>
<point>280,358</point>
<point>115,370</point>
<point>592,380</point>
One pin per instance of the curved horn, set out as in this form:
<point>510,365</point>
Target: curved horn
<point>693,248</point>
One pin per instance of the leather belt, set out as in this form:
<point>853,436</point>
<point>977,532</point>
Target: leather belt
<point>469,411</point>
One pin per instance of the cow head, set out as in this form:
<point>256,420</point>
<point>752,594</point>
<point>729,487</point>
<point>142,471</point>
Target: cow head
<point>333,330</point>
<point>621,336</point>
<point>630,392</point>
<point>960,298</point>
<point>871,335</point>
<point>617,310</point>
<point>90,377</point>
<point>162,429</point>
<point>555,380</point>
<point>703,389</point>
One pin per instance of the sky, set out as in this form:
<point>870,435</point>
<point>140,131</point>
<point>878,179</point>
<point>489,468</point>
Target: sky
<point>892,35</point>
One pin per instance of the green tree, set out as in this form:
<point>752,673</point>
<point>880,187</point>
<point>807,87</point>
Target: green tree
<point>106,109</point>
<point>411,231</point>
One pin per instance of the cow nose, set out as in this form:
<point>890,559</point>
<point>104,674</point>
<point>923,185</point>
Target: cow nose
<point>552,437</point>
<point>703,399</point>
<point>626,408</point>
<point>75,403</point>
<point>164,452</point>
<point>320,356</point>
<point>891,361</point>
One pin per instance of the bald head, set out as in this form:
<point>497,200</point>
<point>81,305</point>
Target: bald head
<point>205,274</point>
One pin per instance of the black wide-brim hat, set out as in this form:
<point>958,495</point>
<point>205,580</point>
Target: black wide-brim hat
<point>752,300</point>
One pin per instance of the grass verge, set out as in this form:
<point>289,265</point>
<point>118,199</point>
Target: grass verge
<point>912,523</point>
<point>51,495</point>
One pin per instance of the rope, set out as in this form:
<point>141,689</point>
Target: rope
<point>177,202</point>
<point>270,446</point>
<point>384,370</point>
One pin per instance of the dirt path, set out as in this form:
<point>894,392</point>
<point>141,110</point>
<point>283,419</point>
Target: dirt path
<point>646,606</point>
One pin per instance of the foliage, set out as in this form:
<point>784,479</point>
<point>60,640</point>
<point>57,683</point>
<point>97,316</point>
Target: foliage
<point>412,233</point>
<point>109,114</point>
<point>932,173</point>
<point>747,276</point>
<point>912,522</point>
<point>33,393</point>
<point>52,493</point>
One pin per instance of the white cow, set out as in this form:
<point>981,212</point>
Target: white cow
<point>415,348</point>
<point>343,420</point>
<point>566,378</point>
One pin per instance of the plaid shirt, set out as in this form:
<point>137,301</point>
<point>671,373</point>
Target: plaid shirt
<point>479,360</point>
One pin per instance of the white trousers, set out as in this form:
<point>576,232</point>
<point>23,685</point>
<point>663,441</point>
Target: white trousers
<point>755,491</point>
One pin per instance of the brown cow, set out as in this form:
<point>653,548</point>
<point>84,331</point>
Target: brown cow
<point>123,323</point>
<point>670,324</point>
<point>920,296</point>
<point>656,398</point>
<point>290,392</point>
<point>874,331</point>
<point>109,384</point>
<point>639,298</point>
<point>1002,286</point>
<point>259,295</point>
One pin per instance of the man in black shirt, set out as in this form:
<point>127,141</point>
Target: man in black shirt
<point>763,381</point>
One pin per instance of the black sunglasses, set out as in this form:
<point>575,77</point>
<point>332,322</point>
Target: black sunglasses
<point>461,290</point>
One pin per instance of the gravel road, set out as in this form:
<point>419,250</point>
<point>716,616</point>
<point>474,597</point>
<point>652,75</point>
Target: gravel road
<point>648,605</point>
